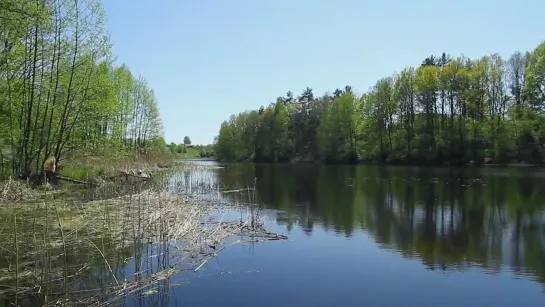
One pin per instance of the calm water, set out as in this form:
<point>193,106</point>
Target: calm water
<point>380,236</point>
<point>371,236</point>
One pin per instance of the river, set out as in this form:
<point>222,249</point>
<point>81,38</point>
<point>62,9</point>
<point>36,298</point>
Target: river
<point>380,236</point>
<point>367,236</point>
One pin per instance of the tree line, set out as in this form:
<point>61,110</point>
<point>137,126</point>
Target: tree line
<point>60,90</point>
<point>447,110</point>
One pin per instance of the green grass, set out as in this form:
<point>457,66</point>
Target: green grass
<point>106,165</point>
<point>190,153</point>
<point>84,171</point>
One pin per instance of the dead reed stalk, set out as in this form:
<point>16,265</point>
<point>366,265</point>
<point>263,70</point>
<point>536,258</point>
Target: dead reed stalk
<point>131,230</point>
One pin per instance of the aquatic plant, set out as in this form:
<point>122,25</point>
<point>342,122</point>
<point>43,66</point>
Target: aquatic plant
<point>64,250</point>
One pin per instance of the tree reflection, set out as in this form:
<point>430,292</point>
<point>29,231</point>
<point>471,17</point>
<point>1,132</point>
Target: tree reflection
<point>450,218</point>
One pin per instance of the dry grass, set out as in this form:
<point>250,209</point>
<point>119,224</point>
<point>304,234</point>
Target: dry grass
<point>13,190</point>
<point>98,252</point>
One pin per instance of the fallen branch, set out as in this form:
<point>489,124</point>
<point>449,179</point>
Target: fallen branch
<point>208,258</point>
<point>238,190</point>
<point>73,180</point>
<point>267,236</point>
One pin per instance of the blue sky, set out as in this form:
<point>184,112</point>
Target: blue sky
<point>208,59</point>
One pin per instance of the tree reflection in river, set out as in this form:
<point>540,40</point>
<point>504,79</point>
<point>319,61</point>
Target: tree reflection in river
<point>450,218</point>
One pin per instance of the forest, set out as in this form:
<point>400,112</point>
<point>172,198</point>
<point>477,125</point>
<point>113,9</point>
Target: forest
<point>61,91</point>
<point>446,111</point>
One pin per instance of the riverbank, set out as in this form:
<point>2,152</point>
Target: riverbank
<point>84,166</point>
<point>486,163</point>
<point>96,169</point>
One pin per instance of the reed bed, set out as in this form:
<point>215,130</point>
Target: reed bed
<point>97,253</point>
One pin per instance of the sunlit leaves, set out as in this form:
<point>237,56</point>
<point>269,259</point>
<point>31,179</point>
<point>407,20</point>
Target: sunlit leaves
<point>535,77</point>
<point>58,89</point>
<point>448,110</point>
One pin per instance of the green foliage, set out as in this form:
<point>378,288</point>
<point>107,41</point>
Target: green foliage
<point>535,77</point>
<point>448,110</point>
<point>59,91</point>
<point>336,132</point>
<point>191,151</point>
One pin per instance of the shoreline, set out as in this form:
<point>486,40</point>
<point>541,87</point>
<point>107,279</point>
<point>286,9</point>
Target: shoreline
<point>363,162</point>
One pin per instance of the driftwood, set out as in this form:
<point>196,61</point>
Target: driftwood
<point>73,180</point>
<point>253,238</point>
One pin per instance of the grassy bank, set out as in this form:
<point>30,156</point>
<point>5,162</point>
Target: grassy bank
<point>99,168</point>
<point>194,153</point>
<point>103,163</point>
<point>93,166</point>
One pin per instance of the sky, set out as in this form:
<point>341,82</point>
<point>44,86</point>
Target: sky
<point>208,59</point>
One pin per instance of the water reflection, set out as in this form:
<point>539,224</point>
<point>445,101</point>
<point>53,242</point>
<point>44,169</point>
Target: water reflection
<point>450,218</point>
<point>447,219</point>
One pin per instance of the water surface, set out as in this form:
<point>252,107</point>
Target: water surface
<point>358,236</point>
<point>379,236</point>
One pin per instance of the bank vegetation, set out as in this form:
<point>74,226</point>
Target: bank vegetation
<point>453,110</point>
<point>62,95</point>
